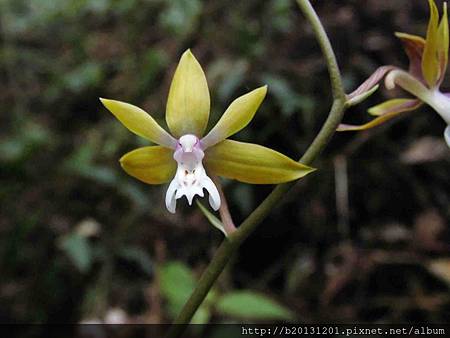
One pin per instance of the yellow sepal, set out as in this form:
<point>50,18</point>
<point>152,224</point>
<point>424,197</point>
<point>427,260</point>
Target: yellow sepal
<point>394,105</point>
<point>430,61</point>
<point>139,122</point>
<point>443,42</point>
<point>188,103</point>
<point>152,165</point>
<point>416,39</point>
<point>236,117</point>
<point>252,163</point>
<point>385,112</point>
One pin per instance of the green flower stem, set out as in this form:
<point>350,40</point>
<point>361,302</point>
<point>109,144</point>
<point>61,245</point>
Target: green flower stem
<point>230,245</point>
<point>327,49</point>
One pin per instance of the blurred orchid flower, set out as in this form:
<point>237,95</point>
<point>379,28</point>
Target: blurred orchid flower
<point>179,157</point>
<point>428,59</point>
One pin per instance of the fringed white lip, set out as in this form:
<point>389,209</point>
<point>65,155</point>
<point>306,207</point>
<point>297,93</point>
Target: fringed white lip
<point>190,178</point>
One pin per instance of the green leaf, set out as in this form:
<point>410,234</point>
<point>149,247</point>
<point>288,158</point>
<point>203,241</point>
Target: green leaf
<point>77,248</point>
<point>251,305</point>
<point>201,316</point>
<point>177,283</point>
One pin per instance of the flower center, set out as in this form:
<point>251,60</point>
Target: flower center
<point>190,178</point>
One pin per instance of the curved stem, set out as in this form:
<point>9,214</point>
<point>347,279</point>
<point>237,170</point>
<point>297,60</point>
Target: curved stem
<point>230,245</point>
<point>327,49</point>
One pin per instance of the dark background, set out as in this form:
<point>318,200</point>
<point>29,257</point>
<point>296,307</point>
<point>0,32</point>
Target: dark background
<point>363,239</point>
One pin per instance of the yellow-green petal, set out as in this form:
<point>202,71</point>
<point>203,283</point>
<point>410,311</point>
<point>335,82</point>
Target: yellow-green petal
<point>252,163</point>
<point>152,165</point>
<point>443,37</point>
<point>416,39</point>
<point>188,103</point>
<point>430,61</point>
<point>236,117</point>
<point>385,111</point>
<point>369,125</point>
<point>139,122</point>
<point>394,105</point>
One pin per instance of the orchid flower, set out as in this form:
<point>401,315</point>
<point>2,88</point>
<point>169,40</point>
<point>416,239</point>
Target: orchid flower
<point>428,59</point>
<point>180,157</point>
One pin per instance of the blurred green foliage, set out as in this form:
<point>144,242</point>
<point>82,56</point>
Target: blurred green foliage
<point>80,238</point>
<point>177,283</point>
<point>250,305</point>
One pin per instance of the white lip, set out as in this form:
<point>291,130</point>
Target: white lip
<point>190,178</point>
